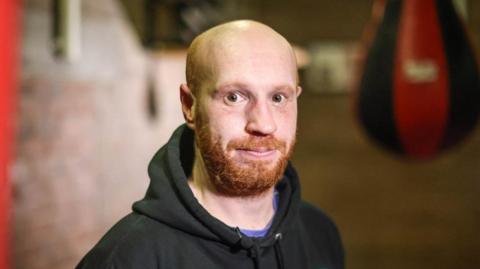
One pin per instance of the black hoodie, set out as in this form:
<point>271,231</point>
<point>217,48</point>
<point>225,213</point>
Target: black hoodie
<point>170,229</point>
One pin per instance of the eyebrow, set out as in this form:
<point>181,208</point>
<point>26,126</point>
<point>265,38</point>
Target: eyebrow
<point>240,85</point>
<point>229,85</point>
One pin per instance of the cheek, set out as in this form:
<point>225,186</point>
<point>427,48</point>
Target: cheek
<point>287,123</point>
<point>226,125</point>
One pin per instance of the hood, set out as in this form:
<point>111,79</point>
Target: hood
<point>170,201</point>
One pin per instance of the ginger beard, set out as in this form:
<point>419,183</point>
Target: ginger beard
<point>245,178</point>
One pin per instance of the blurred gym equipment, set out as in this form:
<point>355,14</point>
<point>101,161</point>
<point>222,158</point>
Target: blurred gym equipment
<point>419,91</point>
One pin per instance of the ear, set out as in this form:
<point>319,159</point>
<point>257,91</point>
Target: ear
<point>188,105</point>
<point>299,91</point>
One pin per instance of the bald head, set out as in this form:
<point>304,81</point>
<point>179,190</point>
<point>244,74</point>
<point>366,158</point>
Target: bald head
<point>226,43</point>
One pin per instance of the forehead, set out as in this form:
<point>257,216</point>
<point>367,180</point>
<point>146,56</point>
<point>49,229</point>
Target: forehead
<point>253,61</point>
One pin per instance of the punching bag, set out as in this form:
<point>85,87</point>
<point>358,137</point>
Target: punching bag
<point>419,90</point>
<point>9,32</point>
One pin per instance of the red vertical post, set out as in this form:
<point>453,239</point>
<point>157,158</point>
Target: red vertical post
<point>9,33</point>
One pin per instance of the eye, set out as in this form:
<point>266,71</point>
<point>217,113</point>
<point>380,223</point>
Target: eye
<point>234,98</point>
<point>278,98</point>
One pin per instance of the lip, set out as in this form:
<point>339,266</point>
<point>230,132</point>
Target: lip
<point>257,153</point>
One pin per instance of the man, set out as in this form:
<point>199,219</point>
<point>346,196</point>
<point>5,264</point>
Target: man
<point>222,193</point>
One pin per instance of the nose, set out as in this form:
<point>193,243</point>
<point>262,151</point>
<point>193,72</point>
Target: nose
<point>260,120</point>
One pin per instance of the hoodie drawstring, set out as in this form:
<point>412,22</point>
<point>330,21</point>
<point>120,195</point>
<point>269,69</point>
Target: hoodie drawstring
<point>278,251</point>
<point>255,253</point>
<point>254,249</point>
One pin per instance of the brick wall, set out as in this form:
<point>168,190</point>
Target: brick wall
<point>85,134</point>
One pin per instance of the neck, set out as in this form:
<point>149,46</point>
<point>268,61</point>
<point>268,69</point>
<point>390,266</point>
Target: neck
<point>252,213</point>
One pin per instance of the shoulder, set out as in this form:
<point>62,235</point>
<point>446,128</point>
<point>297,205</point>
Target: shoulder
<point>317,223</point>
<point>128,243</point>
<point>321,231</point>
<point>313,216</point>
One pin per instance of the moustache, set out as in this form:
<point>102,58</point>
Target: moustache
<point>255,143</point>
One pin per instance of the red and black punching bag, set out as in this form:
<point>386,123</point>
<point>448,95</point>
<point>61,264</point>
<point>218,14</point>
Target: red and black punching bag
<point>419,90</point>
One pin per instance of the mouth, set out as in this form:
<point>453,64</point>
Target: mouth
<point>257,152</point>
